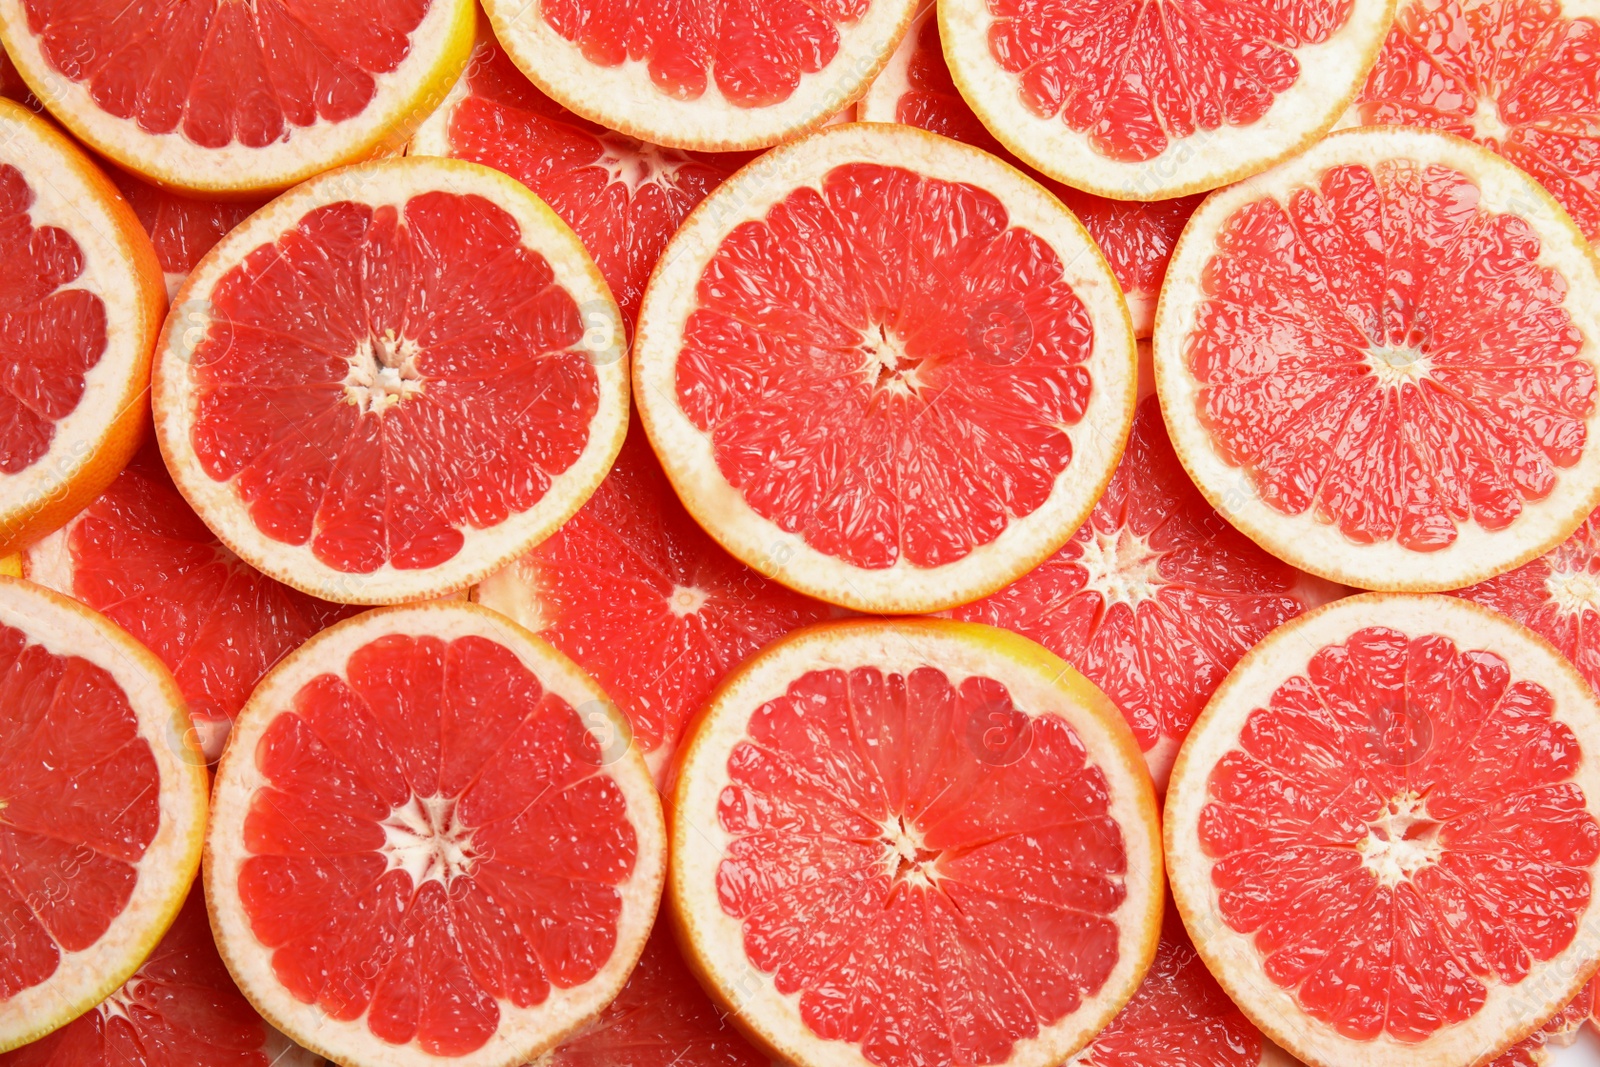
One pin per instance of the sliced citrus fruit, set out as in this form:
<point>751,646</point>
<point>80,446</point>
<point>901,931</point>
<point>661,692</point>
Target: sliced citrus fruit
<point>1517,76</point>
<point>180,1009</point>
<point>643,600</point>
<point>81,301</point>
<point>622,197</point>
<point>392,381</point>
<point>1142,101</point>
<point>139,556</point>
<point>1381,833</point>
<point>885,368</point>
<point>219,98</point>
<point>182,228</point>
<point>427,846</point>
<point>1378,361</point>
<point>102,808</point>
<point>1155,598</point>
<point>915,842</point>
<point>706,75</point>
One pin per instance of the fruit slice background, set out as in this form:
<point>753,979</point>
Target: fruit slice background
<point>181,228</point>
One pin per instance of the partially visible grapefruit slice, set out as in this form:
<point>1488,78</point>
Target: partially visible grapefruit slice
<point>1381,833</point>
<point>12,87</point>
<point>221,98</point>
<point>180,1009</point>
<point>1517,76</point>
<point>181,228</point>
<point>102,808</point>
<point>1140,101</point>
<point>81,300</point>
<point>427,847</point>
<point>139,556</point>
<point>915,843</point>
<point>643,600</point>
<point>885,368</point>
<point>622,197</point>
<point>392,381</point>
<point>704,74</point>
<point>1378,361</point>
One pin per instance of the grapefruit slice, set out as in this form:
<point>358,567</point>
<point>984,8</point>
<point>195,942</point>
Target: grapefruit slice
<point>139,556</point>
<point>392,381</point>
<point>885,368</point>
<point>1517,76</point>
<point>426,845</point>
<point>102,809</point>
<point>622,197</point>
<point>915,842</point>
<point>220,98</point>
<point>80,303</point>
<point>705,74</point>
<point>1378,361</point>
<point>915,88</point>
<point>1155,598</point>
<point>644,601</point>
<point>1381,833</point>
<point>1140,101</point>
<point>181,228</point>
<point>180,1009</point>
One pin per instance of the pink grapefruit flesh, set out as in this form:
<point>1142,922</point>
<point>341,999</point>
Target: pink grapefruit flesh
<point>181,228</point>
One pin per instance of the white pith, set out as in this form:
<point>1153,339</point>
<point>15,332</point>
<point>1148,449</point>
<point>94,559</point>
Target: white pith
<point>392,182</point>
<point>1395,848</point>
<point>881,101</point>
<point>1330,75</point>
<point>425,838</point>
<point>1397,365</point>
<point>1573,592</point>
<point>1121,566</point>
<point>1510,1012</point>
<point>1302,540</point>
<point>524,1033</point>
<point>687,600</point>
<point>1487,125</point>
<point>686,451</point>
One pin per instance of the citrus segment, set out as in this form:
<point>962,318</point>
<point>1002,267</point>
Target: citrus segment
<point>1381,832</point>
<point>80,303</point>
<point>182,229</point>
<point>1146,101</point>
<point>1517,76</point>
<point>426,845</point>
<point>643,600</point>
<point>139,556</point>
<point>713,75</point>
<point>180,1009</point>
<point>216,97</point>
<point>915,842</point>
<point>1155,598</point>
<point>406,441</point>
<point>102,807</point>
<point>885,368</point>
<point>1378,361</point>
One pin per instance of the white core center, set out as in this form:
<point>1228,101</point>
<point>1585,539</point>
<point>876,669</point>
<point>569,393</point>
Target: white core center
<point>637,164</point>
<point>1396,365</point>
<point>424,837</point>
<point>1122,567</point>
<point>1487,125</point>
<point>1574,592</point>
<point>888,367</point>
<point>904,855</point>
<point>1401,841</point>
<point>686,600</point>
<point>383,372</point>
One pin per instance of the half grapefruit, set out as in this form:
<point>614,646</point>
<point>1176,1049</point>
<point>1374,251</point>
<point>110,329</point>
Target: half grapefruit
<point>81,299</point>
<point>1381,833</point>
<point>885,368</point>
<point>427,847</point>
<point>1378,361</point>
<point>220,98</point>
<point>102,808</point>
<point>392,381</point>
<point>918,842</point>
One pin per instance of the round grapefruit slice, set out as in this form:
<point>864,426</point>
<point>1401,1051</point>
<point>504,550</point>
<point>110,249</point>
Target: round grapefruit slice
<point>915,842</point>
<point>139,556</point>
<point>643,600</point>
<point>180,1009</point>
<point>81,301</point>
<point>1381,833</point>
<point>222,98</point>
<point>885,368</point>
<point>622,197</point>
<point>1378,361</point>
<point>705,74</point>
<point>1155,598</point>
<point>426,845</point>
<point>1140,101</point>
<point>181,228</point>
<point>392,381</point>
<point>1518,77</point>
<point>102,808</point>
